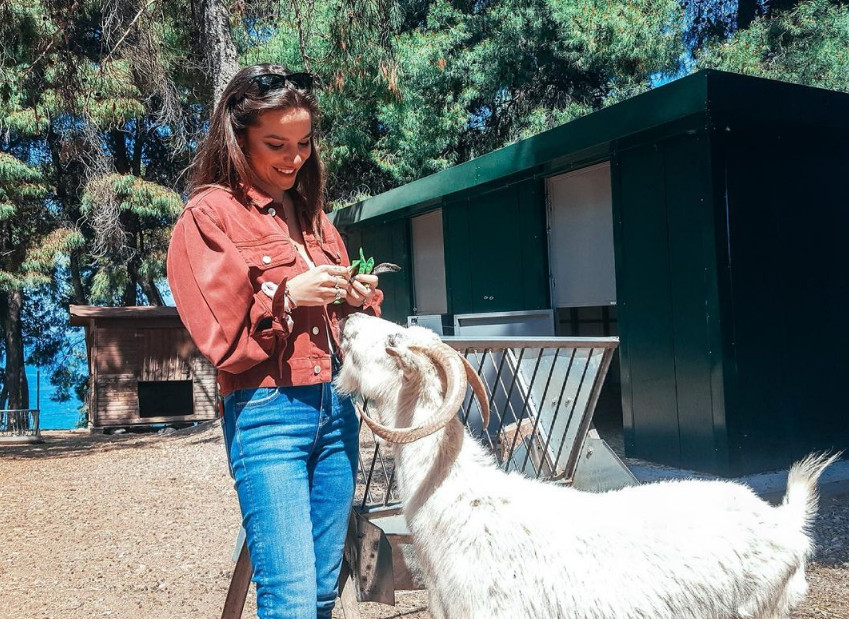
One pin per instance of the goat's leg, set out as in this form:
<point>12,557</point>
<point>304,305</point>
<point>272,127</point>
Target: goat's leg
<point>435,605</point>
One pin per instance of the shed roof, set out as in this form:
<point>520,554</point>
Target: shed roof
<point>82,314</point>
<point>712,95</point>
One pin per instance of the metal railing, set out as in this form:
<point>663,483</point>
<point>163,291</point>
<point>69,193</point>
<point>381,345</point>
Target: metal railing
<point>20,422</point>
<point>542,394</point>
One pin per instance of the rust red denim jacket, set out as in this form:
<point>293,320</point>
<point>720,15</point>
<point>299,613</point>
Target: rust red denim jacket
<point>222,251</point>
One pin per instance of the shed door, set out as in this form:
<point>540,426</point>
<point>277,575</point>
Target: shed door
<point>581,222</point>
<point>429,264</point>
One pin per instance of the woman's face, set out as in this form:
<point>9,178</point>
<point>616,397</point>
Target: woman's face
<point>277,146</point>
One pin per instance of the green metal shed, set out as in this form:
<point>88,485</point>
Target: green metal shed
<point>702,222</point>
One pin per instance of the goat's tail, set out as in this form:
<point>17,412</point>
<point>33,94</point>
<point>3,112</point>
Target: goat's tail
<point>802,497</point>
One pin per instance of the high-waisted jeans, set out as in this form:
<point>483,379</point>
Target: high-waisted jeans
<point>293,455</point>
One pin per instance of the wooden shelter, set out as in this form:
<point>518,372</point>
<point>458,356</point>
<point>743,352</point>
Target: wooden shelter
<point>143,368</point>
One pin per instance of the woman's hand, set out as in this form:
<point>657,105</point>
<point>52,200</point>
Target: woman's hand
<point>319,286</point>
<point>361,290</point>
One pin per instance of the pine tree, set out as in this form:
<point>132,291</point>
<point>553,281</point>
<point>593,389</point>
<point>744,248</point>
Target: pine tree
<point>807,43</point>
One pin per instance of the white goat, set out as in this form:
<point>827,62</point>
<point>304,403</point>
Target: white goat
<point>494,545</point>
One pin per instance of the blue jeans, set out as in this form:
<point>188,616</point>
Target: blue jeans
<point>293,454</point>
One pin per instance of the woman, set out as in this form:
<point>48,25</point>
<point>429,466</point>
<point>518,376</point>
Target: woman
<point>260,279</point>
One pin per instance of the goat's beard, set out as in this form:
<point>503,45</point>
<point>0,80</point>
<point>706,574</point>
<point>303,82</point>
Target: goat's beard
<point>346,382</point>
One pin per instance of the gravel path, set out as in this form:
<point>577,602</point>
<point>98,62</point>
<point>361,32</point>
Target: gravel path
<point>142,527</point>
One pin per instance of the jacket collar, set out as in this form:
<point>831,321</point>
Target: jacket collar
<point>254,195</point>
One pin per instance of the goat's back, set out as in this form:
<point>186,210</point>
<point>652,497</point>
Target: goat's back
<point>500,545</point>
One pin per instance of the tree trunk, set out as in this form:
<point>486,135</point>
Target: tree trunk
<point>4,300</point>
<point>120,156</point>
<point>79,296</point>
<point>221,58</point>
<point>151,291</point>
<point>130,296</point>
<point>747,10</point>
<point>16,379</point>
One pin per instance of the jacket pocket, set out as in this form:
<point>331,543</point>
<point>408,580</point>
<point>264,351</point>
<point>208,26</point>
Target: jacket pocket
<point>267,253</point>
<point>332,251</point>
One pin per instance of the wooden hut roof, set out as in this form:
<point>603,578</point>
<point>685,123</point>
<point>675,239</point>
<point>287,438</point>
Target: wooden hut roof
<point>82,314</point>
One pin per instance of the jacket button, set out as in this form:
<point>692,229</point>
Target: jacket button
<point>266,259</point>
<point>272,211</point>
<point>315,330</point>
<point>317,369</point>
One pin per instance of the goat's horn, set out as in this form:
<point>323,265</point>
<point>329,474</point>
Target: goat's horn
<point>479,390</point>
<point>449,360</point>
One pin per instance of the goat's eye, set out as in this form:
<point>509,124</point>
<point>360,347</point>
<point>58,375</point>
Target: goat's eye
<point>392,340</point>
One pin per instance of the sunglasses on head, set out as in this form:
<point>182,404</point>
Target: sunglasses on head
<point>274,81</point>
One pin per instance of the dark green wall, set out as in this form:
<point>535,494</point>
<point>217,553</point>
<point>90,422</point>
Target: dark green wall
<point>788,217</point>
<point>667,303</point>
<point>387,242</point>
<point>732,289</point>
<point>495,250</point>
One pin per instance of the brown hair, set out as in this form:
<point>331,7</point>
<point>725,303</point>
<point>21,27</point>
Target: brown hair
<point>221,161</point>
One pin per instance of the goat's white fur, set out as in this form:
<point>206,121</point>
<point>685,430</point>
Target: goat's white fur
<point>494,545</point>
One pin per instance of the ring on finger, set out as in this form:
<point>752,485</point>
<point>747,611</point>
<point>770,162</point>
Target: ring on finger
<point>338,292</point>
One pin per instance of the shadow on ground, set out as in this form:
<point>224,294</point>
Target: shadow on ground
<point>72,443</point>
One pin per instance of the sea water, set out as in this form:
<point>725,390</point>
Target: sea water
<point>54,415</point>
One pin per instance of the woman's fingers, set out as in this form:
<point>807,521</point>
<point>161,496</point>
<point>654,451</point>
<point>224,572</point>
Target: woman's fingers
<point>369,280</point>
<point>337,281</point>
<point>353,297</point>
<point>359,288</point>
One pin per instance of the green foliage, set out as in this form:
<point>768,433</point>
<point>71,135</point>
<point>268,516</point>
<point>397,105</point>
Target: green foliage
<point>14,171</point>
<point>131,194</point>
<point>24,225</point>
<point>807,45</point>
<point>108,278</point>
<point>474,80</point>
<point>41,258</point>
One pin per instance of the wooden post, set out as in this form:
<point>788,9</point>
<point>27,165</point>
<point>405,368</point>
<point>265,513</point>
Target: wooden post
<point>239,584</point>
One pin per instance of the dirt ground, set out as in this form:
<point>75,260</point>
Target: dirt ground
<point>142,527</point>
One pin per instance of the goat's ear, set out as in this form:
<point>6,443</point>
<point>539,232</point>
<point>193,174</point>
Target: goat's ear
<point>404,358</point>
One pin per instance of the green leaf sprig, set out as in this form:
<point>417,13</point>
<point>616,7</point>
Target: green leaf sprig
<point>360,266</point>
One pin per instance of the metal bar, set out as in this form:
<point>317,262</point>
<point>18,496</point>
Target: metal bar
<point>370,472</point>
<point>387,497</point>
<point>495,389</point>
<point>509,404</point>
<point>471,399</point>
<point>557,409</point>
<point>525,404</point>
<point>512,384</point>
<point>571,464</point>
<point>539,412</point>
<point>480,343</point>
<point>386,475</point>
<point>572,414</point>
